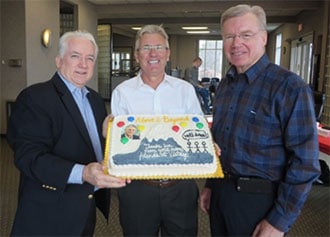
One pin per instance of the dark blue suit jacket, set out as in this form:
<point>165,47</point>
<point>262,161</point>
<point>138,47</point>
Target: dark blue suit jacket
<point>48,136</point>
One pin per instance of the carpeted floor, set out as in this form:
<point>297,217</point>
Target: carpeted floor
<point>313,221</point>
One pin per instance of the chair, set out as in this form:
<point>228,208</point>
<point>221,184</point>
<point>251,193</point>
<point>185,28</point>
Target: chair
<point>214,84</point>
<point>319,99</point>
<point>205,82</point>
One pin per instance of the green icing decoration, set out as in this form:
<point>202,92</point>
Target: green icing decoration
<point>124,140</point>
<point>199,125</point>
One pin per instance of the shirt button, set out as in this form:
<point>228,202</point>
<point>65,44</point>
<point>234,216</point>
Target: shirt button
<point>90,196</point>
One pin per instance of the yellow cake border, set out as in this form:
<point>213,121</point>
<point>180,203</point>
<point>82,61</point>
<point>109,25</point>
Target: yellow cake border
<point>217,174</point>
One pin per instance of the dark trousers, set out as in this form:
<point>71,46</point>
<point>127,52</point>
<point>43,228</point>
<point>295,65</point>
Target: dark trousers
<point>234,213</point>
<point>146,210</point>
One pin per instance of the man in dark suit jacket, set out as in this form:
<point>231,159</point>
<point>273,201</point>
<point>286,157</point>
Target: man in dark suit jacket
<point>61,175</point>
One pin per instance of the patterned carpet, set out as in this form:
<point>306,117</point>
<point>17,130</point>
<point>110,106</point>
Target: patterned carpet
<point>313,221</point>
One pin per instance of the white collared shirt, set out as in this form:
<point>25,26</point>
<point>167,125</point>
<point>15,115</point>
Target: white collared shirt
<point>172,96</point>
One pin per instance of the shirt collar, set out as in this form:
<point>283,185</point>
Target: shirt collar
<point>141,83</point>
<point>253,72</point>
<point>72,87</point>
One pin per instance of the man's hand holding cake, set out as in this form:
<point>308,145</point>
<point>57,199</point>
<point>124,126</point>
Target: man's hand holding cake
<point>94,173</point>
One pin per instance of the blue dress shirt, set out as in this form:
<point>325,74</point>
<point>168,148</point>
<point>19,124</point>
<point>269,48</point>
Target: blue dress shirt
<point>80,97</point>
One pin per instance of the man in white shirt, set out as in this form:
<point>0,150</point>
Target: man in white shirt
<point>168,206</point>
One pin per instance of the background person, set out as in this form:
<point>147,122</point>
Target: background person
<point>192,75</point>
<point>147,206</point>
<point>53,147</point>
<point>264,123</point>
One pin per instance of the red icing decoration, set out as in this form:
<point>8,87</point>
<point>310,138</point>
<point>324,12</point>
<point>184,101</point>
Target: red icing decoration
<point>120,124</point>
<point>175,128</point>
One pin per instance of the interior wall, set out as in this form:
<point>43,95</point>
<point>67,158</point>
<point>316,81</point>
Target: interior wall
<point>87,20</point>
<point>187,51</point>
<point>22,22</point>
<point>311,22</point>
<point>40,61</point>
<point>13,46</point>
<point>0,58</point>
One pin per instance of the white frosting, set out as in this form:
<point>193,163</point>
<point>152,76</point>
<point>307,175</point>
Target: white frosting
<point>182,143</point>
<point>162,170</point>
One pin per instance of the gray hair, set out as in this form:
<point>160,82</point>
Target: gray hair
<point>63,43</point>
<point>150,29</point>
<point>242,9</point>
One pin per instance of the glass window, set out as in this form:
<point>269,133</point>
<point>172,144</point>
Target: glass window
<point>210,51</point>
<point>278,49</point>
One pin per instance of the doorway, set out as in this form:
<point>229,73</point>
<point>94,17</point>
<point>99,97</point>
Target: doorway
<point>302,57</point>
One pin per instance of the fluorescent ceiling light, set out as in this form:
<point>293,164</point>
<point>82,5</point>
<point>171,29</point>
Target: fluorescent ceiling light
<point>136,28</point>
<point>194,28</point>
<point>198,32</point>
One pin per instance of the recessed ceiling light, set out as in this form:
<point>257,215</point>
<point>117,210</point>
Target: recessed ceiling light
<point>194,28</point>
<point>136,28</point>
<point>198,32</point>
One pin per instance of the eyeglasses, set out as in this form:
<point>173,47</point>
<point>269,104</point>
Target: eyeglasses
<point>147,48</point>
<point>245,36</point>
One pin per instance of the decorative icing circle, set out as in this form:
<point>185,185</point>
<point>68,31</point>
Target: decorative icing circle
<point>195,119</point>
<point>124,140</point>
<point>141,128</point>
<point>130,118</point>
<point>183,124</point>
<point>120,123</point>
<point>199,125</point>
<point>175,128</point>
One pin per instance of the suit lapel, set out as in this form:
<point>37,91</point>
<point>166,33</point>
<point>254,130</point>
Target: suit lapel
<point>72,108</point>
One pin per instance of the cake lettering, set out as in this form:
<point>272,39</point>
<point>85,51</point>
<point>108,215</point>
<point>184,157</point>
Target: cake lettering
<point>167,119</point>
<point>151,153</point>
<point>194,134</point>
<point>157,151</point>
<point>147,120</point>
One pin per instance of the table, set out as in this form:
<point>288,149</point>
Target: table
<point>324,144</point>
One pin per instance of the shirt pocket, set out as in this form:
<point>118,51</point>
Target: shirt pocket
<point>261,130</point>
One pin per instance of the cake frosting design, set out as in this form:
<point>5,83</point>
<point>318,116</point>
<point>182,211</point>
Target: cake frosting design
<point>160,145</point>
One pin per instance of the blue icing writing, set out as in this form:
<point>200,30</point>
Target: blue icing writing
<point>161,152</point>
<point>169,152</point>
